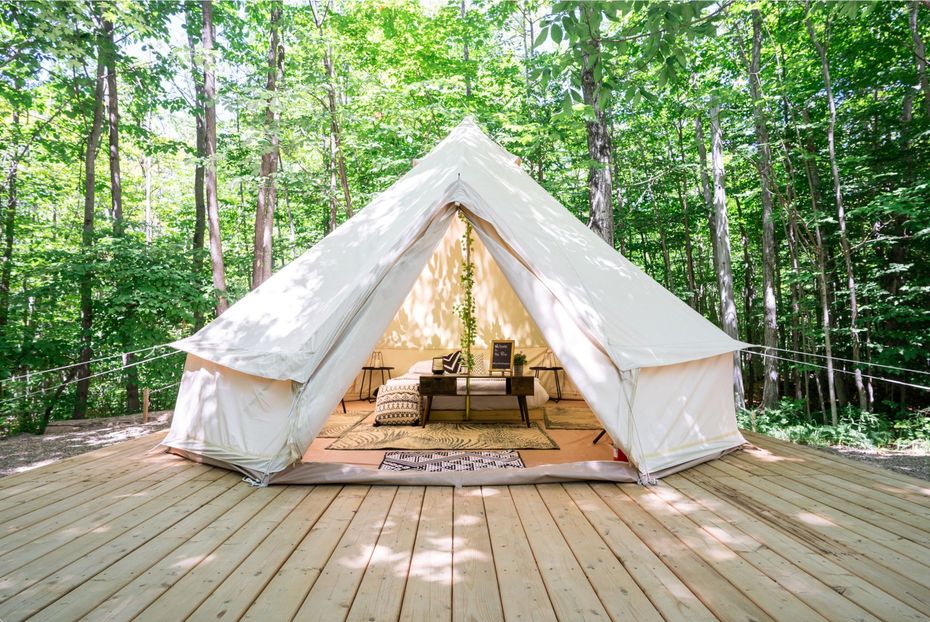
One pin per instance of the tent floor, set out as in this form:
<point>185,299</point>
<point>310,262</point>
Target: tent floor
<point>577,458</point>
<point>773,532</point>
<point>574,445</point>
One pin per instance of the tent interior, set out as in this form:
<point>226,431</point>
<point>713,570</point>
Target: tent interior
<point>427,325</point>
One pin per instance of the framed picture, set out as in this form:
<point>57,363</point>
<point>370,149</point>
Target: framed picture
<point>502,355</point>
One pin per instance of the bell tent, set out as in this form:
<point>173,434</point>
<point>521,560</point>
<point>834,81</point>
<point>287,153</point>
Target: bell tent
<point>260,381</point>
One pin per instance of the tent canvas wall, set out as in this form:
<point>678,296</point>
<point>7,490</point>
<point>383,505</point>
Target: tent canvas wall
<point>261,379</point>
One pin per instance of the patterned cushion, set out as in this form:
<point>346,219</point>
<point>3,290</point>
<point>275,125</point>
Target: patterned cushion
<point>398,403</point>
<point>452,363</point>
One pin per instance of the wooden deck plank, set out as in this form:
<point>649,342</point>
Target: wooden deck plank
<point>755,584</point>
<point>674,600</point>
<point>522,591</point>
<point>74,464</point>
<point>381,592</point>
<point>428,594</point>
<point>95,535</point>
<point>721,597</point>
<point>92,581</point>
<point>897,554</point>
<point>42,538</point>
<point>776,532</point>
<point>617,590</point>
<point>913,513</point>
<point>183,598</point>
<point>85,500</point>
<point>236,593</point>
<point>56,583</point>
<point>852,469</point>
<point>571,594</point>
<point>828,539</point>
<point>898,522</point>
<point>333,592</point>
<point>132,599</point>
<point>285,593</point>
<point>818,597</point>
<point>475,593</point>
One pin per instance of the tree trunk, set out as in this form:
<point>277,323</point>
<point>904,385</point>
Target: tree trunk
<point>116,203</point>
<point>721,237</point>
<point>813,183</point>
<point>920,56</point>
<point>213,208</point>
<point>682,188</point>
<point>335,132</point>
<point>262,263</point>
<point>663,244</point>
<point>599,178</point>
<point>620,199</point>
<point>841,215</point>
<point>116,184</point>
<point>769,257</point>
<point>9,228</point>
<point>465,52</point>
<point>200,206</point>
<point>85,283</point>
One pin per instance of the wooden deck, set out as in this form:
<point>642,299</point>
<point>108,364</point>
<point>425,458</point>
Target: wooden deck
<point>775,532</point>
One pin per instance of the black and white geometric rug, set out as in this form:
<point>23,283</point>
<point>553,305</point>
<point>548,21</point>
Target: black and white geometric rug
<point>440,461</point>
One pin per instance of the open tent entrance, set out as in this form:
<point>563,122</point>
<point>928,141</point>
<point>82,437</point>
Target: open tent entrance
<point>426,326</point>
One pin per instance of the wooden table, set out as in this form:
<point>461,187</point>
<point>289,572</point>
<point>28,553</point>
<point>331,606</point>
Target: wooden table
<point>517,386</point>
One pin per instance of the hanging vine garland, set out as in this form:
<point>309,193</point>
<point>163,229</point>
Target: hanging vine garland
<point>466,309</point>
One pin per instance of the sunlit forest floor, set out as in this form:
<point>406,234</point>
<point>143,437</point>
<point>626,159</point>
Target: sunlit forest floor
<point>915,463</point>
<point>29,451</point>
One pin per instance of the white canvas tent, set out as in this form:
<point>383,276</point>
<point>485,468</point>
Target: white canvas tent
<point>261,380</point>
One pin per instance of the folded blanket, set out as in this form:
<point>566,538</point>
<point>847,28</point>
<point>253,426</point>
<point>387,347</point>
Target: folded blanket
<point>482,386</point>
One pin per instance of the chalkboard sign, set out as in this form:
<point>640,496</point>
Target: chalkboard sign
<point>501,355</point>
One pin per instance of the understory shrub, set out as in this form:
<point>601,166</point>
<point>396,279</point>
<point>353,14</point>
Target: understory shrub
<point>855,428</point>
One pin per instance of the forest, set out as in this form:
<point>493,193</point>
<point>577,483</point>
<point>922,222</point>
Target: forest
<point>767,161</point>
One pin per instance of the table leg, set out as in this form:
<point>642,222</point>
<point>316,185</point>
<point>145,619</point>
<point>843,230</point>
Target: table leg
<point>343,402</point>
<point>371,376</point>
<point>429,405</point>
<point>558,387</point>
<point>524,410</point>
<point>599,436</point>
<point>361,385</point>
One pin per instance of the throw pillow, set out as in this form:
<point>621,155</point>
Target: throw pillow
<point>452,363</point>
<point>398,403</point>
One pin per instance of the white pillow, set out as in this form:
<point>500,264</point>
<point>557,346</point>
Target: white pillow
<point>421,368</point>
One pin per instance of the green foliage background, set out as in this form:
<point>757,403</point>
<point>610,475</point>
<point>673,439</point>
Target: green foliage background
<point>401,83</point>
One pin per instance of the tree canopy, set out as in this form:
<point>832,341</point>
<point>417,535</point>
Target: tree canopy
<point>797,131</point>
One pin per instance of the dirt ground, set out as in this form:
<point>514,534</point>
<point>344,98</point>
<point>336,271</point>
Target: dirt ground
<point>908,463</point>
<point>27,451</point>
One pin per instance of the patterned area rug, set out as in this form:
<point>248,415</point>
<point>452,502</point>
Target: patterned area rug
<point>571,419</point>
<point>340,423</point>
<point>462,436</point>
<point>443,461</point>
